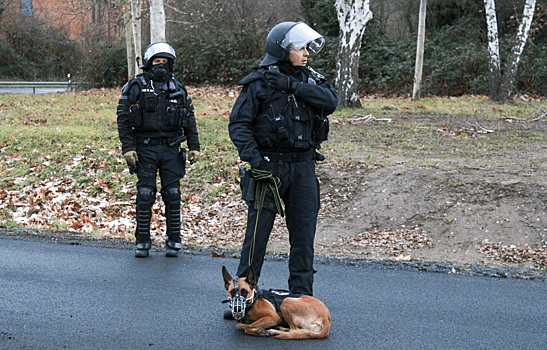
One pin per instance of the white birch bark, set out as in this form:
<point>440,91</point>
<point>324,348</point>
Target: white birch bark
<point>419,52</point>
<point>493,41</point>
<point>129,44</point>
<point>510,73</point>
<point>502,84</point>
<point>494,64</point>
<point>136,10</point>
<point>353,16</point>
<point>157,21</point>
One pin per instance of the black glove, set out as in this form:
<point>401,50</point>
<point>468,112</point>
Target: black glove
<point>282,82</point>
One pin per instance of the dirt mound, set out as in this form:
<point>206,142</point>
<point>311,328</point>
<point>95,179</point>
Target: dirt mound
<point>488,207</point>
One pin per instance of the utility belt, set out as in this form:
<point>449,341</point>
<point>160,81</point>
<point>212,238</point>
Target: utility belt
<point>288,157</point>
<point>149,141</point>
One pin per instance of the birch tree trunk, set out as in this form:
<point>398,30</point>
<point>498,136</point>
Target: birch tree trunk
<point>502,85</point>
<point>136,10</point>
<point>132,17</point>
<point>493,47</point>
<point>157,21</point>
<point>129,44</point>
<point>419,52</point>
<point>353,16</point>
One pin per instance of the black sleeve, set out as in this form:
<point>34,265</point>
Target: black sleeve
<point>191,130</point>
<point>130,95</point>
<point>321,96</point>
<point>240,126</point>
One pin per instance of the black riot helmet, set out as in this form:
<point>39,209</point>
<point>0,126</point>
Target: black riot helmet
<point>159,49</point>
<point>290,34</point>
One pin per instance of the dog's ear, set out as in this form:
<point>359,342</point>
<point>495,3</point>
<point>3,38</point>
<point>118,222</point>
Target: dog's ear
<point>228,280</point>
<point>251,277</point>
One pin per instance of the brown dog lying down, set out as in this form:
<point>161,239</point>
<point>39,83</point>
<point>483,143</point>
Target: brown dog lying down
<point>305,316</point>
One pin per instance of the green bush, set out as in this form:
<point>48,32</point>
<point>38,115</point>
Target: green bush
<point>532,73</point>
<point>224,60</point>
<point>453,59</point>
<point>14,66</point>
<point>38,52</point>
<point>106,65</point>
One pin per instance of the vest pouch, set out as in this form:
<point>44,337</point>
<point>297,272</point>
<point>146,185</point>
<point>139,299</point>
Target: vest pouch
<point>182,115</point>
<point>171,113</point>
<point>135,115</point>
<point>149,101</point>
<point>321,129</point>
<point>301,132</point>
<point>280,127</point>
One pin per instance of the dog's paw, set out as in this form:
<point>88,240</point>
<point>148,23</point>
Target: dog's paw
<point>273,332</point>
<point>264,332</point>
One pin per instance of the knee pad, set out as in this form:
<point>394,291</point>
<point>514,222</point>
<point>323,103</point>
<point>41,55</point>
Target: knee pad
<point>171,195</point>
<point>146,196</point>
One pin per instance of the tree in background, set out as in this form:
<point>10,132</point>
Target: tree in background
<point>353,16</point>
<point>133,32</point>
<point>502,85</point>
<point>420,52</point>
<point>157,21</point>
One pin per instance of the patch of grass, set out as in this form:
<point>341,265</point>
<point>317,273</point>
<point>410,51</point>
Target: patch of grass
<point>58,225</point>
<point>74,135</point>
<point>10,223</point>
<point>445,128</point>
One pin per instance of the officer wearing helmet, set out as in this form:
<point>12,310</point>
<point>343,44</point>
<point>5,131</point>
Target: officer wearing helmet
<point>155,115</point>
<point>278,123</point>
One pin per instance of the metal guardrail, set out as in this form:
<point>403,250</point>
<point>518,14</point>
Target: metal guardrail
<point>67,86</point>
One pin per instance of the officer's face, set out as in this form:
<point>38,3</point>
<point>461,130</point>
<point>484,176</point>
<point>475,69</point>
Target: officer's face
<point>299,58</point>
<point>159,60</point>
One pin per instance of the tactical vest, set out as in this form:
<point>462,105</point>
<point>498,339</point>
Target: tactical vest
<point>287,124</point>
<point>159,112</point>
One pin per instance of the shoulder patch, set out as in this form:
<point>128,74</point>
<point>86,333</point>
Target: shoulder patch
<point>125,88</point>
<point>315,74</point>
<point>128,85</point>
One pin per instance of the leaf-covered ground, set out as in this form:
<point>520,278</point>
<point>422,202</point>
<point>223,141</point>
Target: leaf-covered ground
<point>436,180</point>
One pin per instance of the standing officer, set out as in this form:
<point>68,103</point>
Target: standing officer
<point>277,123</point>
<point>155,115</point>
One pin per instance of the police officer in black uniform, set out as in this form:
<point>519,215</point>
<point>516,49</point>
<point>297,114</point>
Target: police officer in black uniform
<point>277,124</point>
<point>155,115</point>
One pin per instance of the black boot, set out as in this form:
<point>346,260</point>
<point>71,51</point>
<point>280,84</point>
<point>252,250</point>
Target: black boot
<point>145,200</point>
<point>171,198</point>
<point>142,250</point>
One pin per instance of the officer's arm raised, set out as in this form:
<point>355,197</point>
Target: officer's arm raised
<point>321,96</point>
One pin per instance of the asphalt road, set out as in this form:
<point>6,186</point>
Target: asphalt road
<point>59,296</point>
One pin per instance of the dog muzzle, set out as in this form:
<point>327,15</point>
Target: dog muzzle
<point>238,305</point>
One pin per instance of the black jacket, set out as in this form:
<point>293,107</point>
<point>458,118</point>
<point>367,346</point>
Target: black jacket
<point>252,125</point>
<point>131,95</point>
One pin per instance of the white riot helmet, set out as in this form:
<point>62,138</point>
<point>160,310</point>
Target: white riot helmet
<point>159,49</point>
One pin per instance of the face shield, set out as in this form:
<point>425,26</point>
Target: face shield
<point>302,35</point>
<point>159,48</point>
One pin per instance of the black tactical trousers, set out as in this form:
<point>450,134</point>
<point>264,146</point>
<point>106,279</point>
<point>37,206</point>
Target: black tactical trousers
<point>171,168</point>
<point>300,194</point>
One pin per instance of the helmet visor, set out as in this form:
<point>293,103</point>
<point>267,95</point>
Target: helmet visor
<point>159,48</point>
<point>302,35</point>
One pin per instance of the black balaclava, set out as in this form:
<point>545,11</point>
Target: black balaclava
<point>159,72</point>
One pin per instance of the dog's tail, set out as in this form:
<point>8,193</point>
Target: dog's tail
<point>298,334</point>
